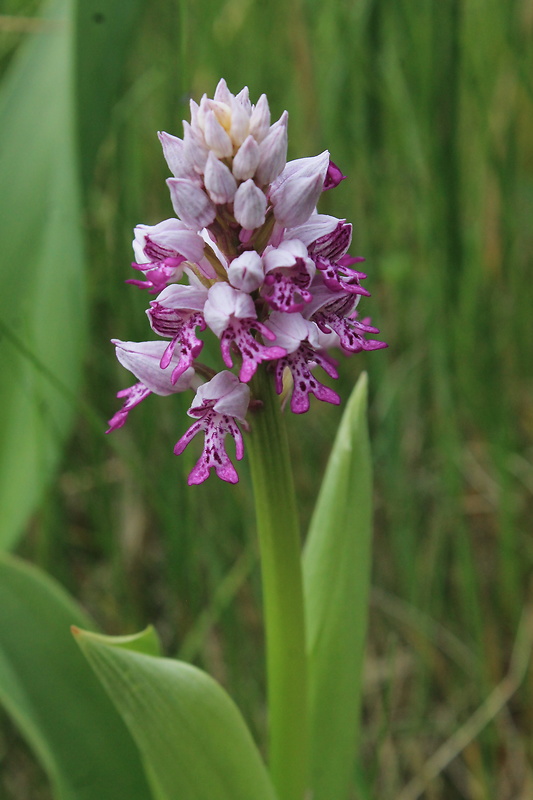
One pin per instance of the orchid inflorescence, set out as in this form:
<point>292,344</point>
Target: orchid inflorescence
<point>267,274</point>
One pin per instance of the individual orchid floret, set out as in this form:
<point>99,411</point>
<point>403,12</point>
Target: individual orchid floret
<point>240,123</point>
<point>309,167</point>
<point>295,193</point>
<point>337,313</point>
<point>338,276</point>
<point>246,159</point>
<point>260,119</point>
<point>300,339</point>
<point>243,97</point>
<point>216,137</point>
<point>174,153</point>
<point>250,206</point>
<point>177,313</point>
<point>191,203</point>
<point>219,182</point>
<point>333,176</point>
<point>246,272</point>
<point>316,228</point>
<point>232,316</point>
<point>331,244</point>
<point>216,406</point>
<point>273,152</point>
<point>143,360</point>
<point>328,251</point>
<point>288,274</point>
<point>195,150</point>
<point>222,93</point>
<point>161,251</point>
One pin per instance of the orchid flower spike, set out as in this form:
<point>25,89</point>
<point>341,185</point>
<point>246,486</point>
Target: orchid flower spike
<point>249,261</point>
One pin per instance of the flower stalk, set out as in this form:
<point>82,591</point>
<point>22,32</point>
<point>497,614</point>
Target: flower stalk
<point>279,541</point>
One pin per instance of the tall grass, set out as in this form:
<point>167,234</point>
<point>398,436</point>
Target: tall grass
<point>427,107</point>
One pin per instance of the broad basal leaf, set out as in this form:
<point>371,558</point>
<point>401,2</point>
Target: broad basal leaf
<point>52,694</point>
<point>336,580</point>
<point>193,739</point>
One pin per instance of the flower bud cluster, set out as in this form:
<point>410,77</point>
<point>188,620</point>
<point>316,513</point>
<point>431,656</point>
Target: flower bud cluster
<point>249,260</point>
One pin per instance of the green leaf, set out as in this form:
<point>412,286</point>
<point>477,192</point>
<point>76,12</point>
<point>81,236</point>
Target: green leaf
<point>336,581</point>
<point>42,310</point>
<point>146,641</point>
<point>53,696</point>
<point>103,32</point>
<point>194,741</point>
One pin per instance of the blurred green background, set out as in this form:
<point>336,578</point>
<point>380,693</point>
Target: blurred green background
<point>427,107</point>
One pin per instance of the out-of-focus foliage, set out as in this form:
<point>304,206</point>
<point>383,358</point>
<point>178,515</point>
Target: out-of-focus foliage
<point>51,693</point>
<point>42,318</point>
<point>102,39</point>
<point>428,109</point>
<point>55,104</point>
<point>192,738</point>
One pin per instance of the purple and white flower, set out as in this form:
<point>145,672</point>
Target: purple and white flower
<point>162,252</point>
<point>143,360</point>
<point>249,262</point>
<point>231,315</point>
<point>217,406</point>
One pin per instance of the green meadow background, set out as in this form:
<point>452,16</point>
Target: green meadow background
<point>427,106</point>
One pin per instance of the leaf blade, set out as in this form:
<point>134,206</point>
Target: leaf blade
<point>53,697</point>
<point>336,570</point>
<point>193,739</point>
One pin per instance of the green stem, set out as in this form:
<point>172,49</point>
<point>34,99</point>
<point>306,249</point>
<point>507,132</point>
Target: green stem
<point>279,540</point>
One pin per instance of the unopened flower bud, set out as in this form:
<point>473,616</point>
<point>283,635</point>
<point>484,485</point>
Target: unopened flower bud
<point>246,271</point>
<point>194,149</point>
<point>295,193</point>
<point>216,137</point>
<point>273,152</point>
<point>244,99</point>
<point>246,159</point>
<point>239,123</point>
<point>304,168</point>
<point>222,112</point>
<point>250,205</point>
<point>173,151</point>
<point>222,93</point>
<point>296,199</point>
<point>219,182</point>
<point>194,107</point>
<point>260,119</point>
<point>191,203</point>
